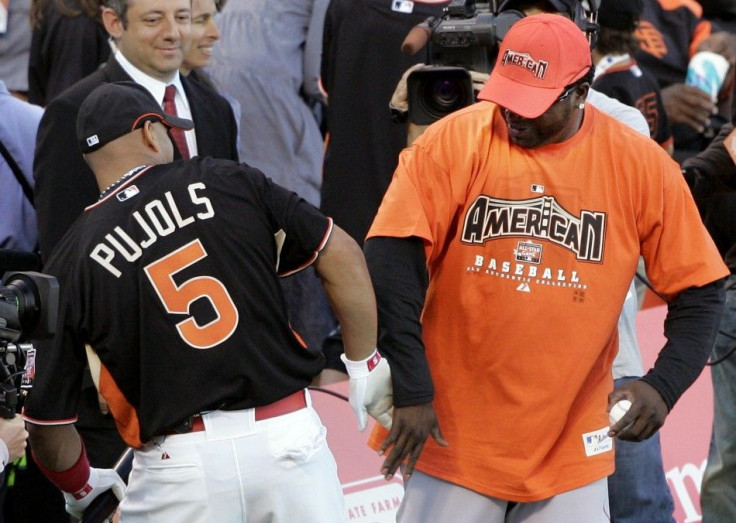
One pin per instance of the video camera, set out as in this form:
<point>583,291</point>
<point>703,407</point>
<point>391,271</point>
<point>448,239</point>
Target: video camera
<point>466,38</point>
<point>468,34</point>
<point>29,304</point>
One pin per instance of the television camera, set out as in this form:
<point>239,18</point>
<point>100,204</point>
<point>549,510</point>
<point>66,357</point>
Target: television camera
<point>29,304</point>
<point>466,38</point>
<point>29,307</point>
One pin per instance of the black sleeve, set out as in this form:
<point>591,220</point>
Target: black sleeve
<point>690,327</point>
<point>327,60</point>
<point>398,269</point>
<point>711,169</point>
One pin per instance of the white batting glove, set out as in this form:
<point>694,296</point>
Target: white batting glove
<point>371,391</point>
<point>99,481</point>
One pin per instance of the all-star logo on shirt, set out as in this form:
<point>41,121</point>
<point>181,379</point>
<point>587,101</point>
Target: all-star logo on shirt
<point>537,67</point>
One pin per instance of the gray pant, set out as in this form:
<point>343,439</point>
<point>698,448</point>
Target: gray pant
<point>427,498</point>
<point>718,491</point>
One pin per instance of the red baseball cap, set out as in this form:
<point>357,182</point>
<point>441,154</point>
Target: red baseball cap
<point>538,58</point>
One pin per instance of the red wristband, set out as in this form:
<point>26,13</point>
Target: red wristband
<point>74,479</point>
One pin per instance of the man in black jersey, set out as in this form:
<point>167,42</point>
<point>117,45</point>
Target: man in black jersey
<point>172,279</point>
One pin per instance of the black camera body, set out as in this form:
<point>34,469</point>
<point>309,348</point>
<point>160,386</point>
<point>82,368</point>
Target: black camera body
<point>468,35</point>
<point>29,305</point>
<point>465,39</point>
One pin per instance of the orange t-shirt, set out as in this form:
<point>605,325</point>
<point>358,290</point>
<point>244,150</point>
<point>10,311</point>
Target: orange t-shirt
<point>530,254</point>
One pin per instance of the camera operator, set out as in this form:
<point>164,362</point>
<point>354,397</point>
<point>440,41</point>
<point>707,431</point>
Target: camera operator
<point>18,229</point>
<point>28,311</point>
<point>13,436</point>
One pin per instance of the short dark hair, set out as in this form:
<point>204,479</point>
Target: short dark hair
<point>121,9</point>
<point>587,78</point>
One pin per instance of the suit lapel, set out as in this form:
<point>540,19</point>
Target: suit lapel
<point>200,116</point>
<point>115,72</point>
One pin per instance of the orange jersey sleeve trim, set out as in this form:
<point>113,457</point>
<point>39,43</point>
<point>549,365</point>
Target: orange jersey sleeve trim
<point>702,32</point>
<point>694,6</point>
<point>126,417</point>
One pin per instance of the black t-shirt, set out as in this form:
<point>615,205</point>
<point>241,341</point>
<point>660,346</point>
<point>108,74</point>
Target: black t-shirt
<point>172,279</point>
<point>362,64</point>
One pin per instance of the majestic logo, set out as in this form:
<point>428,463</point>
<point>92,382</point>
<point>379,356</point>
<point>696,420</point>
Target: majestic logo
<point>489,218</point>
<point>524,60</point>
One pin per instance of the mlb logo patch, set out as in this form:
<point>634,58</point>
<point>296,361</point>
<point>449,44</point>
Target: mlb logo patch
<point>536,188</point>
<point>402,6</point>
<point>93,140</point>
<point>127,193</point>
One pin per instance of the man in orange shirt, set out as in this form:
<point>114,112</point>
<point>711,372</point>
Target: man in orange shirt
<point>501,256</point>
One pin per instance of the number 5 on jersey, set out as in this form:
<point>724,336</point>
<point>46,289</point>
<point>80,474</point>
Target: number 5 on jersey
<point>178,298</point>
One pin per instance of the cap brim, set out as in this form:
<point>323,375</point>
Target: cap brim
<point>524,100</point>
<point>180,123</point>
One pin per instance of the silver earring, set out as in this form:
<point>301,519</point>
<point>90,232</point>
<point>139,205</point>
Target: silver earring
<point>581,105</point>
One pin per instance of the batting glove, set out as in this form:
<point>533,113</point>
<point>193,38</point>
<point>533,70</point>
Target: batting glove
<point>99,481</point>
<point>371,391</point>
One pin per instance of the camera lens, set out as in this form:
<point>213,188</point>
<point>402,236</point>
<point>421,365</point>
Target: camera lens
<point>434,92</point>
<point>445,93</point>
<point>17,304</point>
<point>443,96</point>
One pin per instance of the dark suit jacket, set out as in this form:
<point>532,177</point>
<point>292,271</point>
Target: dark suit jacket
<point>64,184</point>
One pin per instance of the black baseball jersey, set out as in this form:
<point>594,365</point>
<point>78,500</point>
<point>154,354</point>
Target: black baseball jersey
<point>172,278</point>
<point>669,32</point>
<point>623,80</point>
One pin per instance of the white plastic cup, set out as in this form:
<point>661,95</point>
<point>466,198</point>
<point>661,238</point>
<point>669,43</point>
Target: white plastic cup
<point>706,71</point>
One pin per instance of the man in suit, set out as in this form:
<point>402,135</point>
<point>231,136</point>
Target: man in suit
<point>151,38</point>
